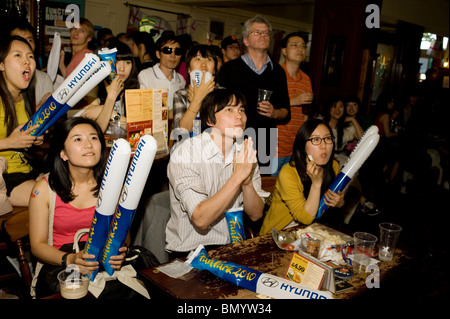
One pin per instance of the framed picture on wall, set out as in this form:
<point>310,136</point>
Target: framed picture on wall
<point>332,65</point>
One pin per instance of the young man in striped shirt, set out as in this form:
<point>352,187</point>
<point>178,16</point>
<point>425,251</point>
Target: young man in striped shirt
<point>211,174</point>
<point>300,93</point>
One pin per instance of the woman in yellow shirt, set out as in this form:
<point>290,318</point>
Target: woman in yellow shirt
<point>17,66</point>
<point>302,182</point>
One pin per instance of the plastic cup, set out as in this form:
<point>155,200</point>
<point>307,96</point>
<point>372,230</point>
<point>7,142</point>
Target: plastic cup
<point>72,283</point>
<point>264,95</point>
<point>389,234</point>
<point>311,243</point>
<point>364,250</point>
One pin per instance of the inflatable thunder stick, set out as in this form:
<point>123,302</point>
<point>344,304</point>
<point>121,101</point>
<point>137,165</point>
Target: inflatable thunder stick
<point>196,78</point>
<point>253,280</point>
<point>64,92</point>
<point>101,73</point>
<point>235,223</point>
<point>112,182</point>
<point>129,198</point>
<point>358,156</point>
<point>109,55</point>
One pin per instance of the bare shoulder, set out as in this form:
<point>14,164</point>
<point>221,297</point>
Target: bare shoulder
<point>40,189</point>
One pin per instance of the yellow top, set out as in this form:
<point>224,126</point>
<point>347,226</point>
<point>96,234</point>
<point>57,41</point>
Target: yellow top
<point>17,162</point>
<point>288,201</point>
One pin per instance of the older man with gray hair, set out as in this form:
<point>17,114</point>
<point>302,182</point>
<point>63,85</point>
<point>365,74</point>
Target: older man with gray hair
<point>253,71</point>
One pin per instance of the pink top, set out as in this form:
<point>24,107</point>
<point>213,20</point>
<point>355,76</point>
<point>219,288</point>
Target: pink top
<point>68,220</point>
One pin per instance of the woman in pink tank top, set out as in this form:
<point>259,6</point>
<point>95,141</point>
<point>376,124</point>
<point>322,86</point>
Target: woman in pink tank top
<point>77,159</point>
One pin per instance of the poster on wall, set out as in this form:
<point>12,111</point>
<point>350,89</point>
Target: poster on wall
<point>55,17</point>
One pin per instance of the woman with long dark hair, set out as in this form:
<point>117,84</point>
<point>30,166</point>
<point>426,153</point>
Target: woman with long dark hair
<point>301,184</point>
<point>64,201</point>
<point>17,102</point>
<point>110,104</point>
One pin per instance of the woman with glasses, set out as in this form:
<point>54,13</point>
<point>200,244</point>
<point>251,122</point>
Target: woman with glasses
<point>163,74</point>
<point>301,184</point>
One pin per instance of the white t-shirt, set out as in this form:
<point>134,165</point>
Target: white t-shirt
<point>154,78</point>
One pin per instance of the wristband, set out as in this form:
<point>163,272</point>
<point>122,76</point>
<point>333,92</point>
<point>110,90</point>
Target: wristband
<point>64,259</point>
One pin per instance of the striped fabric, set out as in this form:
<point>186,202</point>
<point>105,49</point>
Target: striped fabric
<point>286,133</point>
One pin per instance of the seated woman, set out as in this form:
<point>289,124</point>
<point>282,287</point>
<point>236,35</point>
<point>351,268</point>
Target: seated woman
<point>78,157</point>
<point>187,101</point>
<point>110,104</point>
<point>345,128</point>
<point>17,66</point>
<point>301,184</point>
<point>353,122</point>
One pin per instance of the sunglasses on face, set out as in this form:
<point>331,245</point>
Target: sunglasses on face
<point>168,50</point>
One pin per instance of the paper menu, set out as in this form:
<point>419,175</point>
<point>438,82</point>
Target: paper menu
<point>328,282</point>
<point>304,271</point>
<point>147,113</point>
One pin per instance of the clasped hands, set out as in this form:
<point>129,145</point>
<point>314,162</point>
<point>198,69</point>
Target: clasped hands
<point>244,161</point>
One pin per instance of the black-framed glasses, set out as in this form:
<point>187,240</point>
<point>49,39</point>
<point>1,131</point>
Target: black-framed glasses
<point>318,140</point>
<point>168,50</point>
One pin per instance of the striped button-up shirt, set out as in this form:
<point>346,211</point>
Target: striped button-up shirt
<point>197,170</point>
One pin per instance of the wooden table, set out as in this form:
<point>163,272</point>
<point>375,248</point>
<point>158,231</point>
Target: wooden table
<point>260,253</point>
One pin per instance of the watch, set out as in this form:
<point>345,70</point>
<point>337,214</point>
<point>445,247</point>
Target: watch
<point>64,259</point>
<point>116,117</point>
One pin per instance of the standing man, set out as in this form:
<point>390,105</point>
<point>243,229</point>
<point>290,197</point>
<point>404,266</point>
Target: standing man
<point>300,93</point>
<point>231,48</point>
<point>252,71</point>
<point>163,75</point>
<point>79,40</point>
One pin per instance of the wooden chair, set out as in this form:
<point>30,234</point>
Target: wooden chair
<point>14,229</point>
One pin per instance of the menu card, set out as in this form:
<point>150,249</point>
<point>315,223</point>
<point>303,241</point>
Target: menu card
<point>305,271</point>
<point>328,280</point>
<point>147,113</point>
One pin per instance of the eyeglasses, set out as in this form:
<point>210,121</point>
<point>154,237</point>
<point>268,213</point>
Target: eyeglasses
<point>261,33</point>
<point>168,50</point>
<point>318,140</point>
